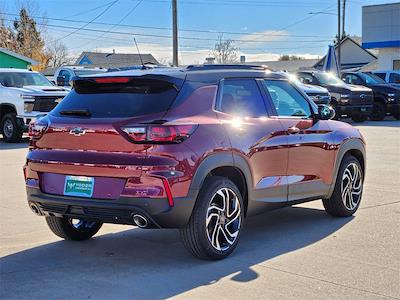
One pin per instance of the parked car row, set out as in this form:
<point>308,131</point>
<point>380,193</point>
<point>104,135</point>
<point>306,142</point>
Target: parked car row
<point>26,95</point>
<point>357,95</point>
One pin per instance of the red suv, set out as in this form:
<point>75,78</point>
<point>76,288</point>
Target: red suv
<point>198,149</point>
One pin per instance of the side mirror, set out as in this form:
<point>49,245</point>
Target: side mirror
<point>325,112</point>
<point>61,81</point>
<point>306,80</point>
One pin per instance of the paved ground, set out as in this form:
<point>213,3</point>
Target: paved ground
<point>296,253</point>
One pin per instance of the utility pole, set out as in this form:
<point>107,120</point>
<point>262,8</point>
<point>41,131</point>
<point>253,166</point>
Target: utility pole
<point>339,39</point>
<point>174,33</point>
<point>343,18</point>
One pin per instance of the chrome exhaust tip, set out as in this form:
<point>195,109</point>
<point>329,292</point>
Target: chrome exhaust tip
<point>140,221</point>
<point>35,209</point>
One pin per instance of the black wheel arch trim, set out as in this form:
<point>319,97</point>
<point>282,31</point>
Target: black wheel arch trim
<point>346,147</point>
<point>214,161</point>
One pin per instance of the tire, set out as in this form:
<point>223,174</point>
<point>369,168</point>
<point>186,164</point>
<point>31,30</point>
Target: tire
<point>12,132</point>
<point>359,118</point>
<point>66,229</point>
<point>378,112</point>
<point>396,115</point>
<point>339,204</point>
<point>213,230</point>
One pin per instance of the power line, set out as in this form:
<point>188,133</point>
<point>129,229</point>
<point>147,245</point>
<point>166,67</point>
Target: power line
<point>181,30</point>
<point>119,22</point>
<point>124,41</point>
<point>169,36</point>
<point>89,10</point>
<point>88,23</point>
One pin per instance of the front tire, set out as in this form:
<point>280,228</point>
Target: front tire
<point>378,112</point>
<point>346,196</point>
<point>214,228</point>
<point>12,133</point>
<point>73,229</point>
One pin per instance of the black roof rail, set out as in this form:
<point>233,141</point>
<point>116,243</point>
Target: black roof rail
<point>226,67</point>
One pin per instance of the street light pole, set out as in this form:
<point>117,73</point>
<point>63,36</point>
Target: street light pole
<point>174,33</point>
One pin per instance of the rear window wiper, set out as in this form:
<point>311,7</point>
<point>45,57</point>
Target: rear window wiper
<point>76,112</point>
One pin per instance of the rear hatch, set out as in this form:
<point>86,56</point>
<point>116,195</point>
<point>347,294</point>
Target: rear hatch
<point>84,135</point>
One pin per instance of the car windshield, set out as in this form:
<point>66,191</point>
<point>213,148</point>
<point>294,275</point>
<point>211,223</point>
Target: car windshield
<point>372,79</point>
<point>21,79</point>
<point>328,79</point>
<point>87,72</point>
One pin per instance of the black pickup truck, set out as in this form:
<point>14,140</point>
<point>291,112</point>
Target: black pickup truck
<point>353,101</point>
<point>386,96</point>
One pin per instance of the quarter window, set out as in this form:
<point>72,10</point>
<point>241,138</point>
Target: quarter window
<point>288,101</point>
<point>242,97</point>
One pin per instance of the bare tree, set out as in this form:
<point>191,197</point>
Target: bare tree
<point>225,51</point>
<point>58,54</point>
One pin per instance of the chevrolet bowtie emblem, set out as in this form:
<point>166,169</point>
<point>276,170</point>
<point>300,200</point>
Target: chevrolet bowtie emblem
<point>77,131</point>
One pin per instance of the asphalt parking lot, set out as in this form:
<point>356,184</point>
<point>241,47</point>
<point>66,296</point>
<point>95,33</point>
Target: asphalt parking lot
<point>297,252</point>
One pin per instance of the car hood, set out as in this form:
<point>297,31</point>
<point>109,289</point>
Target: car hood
<point>347,88</point>
<point>42,90</point>
<point>307,88</point>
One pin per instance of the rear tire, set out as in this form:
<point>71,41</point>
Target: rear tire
<point>67,229</point>
<point>214,228</point>
<point>378,112</point>
<point>12,132</point>
<point>359,118</point>
<point>396,115</point>
<point>346,196</point>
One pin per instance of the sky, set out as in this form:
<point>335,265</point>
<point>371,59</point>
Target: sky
<point>262,30</point>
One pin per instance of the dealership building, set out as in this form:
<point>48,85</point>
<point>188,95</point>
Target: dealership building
<point>381,31</point>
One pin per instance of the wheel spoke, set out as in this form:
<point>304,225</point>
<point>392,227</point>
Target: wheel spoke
<point>210,217</point>
<point>230,242</point>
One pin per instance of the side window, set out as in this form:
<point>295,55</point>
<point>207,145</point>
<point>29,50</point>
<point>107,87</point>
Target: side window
<point>352,79</point>
<point>287,101</point>
<point>242,97</point>
<point>306,78</point>
<point>394,78</point>
<point>381,75</point>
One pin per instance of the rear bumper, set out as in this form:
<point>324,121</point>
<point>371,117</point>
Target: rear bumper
<point>118,211</point>
<point>349,110</point>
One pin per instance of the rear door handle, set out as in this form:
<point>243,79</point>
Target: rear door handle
<point>293,130</point>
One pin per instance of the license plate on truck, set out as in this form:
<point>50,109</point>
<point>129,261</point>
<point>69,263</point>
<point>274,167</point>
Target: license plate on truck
<point>79,186</point>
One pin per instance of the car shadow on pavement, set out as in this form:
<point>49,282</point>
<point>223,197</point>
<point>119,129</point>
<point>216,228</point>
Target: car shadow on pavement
<point>152,264</point>
<point>7,146</point>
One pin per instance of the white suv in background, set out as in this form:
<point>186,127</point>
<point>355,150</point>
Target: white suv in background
<point>24,96</point>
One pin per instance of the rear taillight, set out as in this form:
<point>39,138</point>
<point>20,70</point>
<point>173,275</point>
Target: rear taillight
<point>37,128</point>
<point>168,134</point>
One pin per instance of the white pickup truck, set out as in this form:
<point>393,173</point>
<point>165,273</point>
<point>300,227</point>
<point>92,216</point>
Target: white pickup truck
<point>24,96</point>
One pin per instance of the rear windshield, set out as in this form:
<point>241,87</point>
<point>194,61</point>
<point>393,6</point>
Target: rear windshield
<point>116,100</point>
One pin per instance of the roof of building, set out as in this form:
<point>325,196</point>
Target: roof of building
<point>112,60</point>
<point>19,56</point>
<point>355,42</point>
<point>286,65</point>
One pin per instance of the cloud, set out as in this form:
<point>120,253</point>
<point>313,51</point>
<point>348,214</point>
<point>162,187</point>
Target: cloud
<point>266,35</point>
